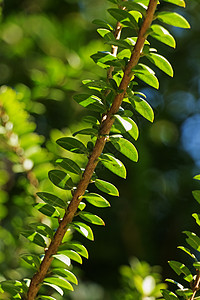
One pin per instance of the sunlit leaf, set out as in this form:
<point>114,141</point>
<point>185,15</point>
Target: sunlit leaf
<point>193,240</point>
<point>84,229</point>
<point>69,165</point>
<point>186,250</point>
<point>55,287</point>
<point>113,164</point>
<point>142,107</point>
<point>47,210</point>
<point>162,34</point>
<point>73,145</point>
<point>52,199</point>
<point>87,131</point>
<point>125,124</point>
<point>96,200</point>
<point>63,258</point>
<point>32,260</point>
<point>169,295</point>
<point>106,187</point>
<point>66,274</point>
<point>59,281</point>
<point>177,2</point>
<point>125,147</point>
<point>43,229</point>
<point>173,18</point>
<point>105,33</point>
<point>91,102</point>
<point>196,195</point>
<point>76,246</point>
<point>89,217</point>
<point>123,17</point>
<point>61,179</point>
<point>147,75</point>
<point>102,24</point>
<point>161,62</point>
<point>72,255</point>
<point>180,268</point>
<point>34,237</point>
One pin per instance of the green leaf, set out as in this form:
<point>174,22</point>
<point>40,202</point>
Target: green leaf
<point>120,43</point>
<point>87,131</point>
<point>161,62</point>
<point>180,268</point>
<point>82,205</point>
<point>134,6</point>
<point>59,281</point>
<point>177,2</point>
<point>73,145</point>
<point>102,23</point>
<point>34,237</point>
<point>87,216</point>
<point>51,199</point>
<point>13,287</point>
<point>106,187</point>
<point>125,147</point>
<point>124,17</point>
<point>113,164</point>
<point>66,274</point>
<point>180,286</point>
<point>55,287</point>
<point>61,179</point>
<point>186,250</point>
<point>63,258</point>
<point>186,293</point>
<point>76,246</point>
<point>173,18</point>
<point>196,195</point>
<point>124,124</point>
<point>47,210</point>
<point>193,240</point>
<point>96,200</point>
<point>91,119</point>
<point>196,265</point>
<point>197,218</point>
<point>197,177</point>
<point>169,295</point>
<point>43,229</point>
<point>32,260</point>
<point>91,102</point>
<point>142,107</point>
<point>104,59</point>
<point>83,229</point>
<point>72,255</point>
<point>69,165</point>
<point>147,75</point>
<point>105,33</point>
<point>162,34</point>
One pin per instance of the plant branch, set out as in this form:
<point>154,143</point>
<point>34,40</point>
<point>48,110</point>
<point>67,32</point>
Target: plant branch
<point>196,286</point>
<point>106,125</point>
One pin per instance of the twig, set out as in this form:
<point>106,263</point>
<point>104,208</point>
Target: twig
<point>106,125</point>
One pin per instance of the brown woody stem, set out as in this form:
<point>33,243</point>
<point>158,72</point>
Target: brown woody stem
<point>106,125</point>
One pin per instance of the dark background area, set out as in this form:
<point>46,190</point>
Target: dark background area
<point>45,49</point>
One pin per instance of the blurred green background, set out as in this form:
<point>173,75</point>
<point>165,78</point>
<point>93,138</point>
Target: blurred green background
<point>45,49</point>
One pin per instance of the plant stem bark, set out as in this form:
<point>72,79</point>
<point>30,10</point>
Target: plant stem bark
<point>106,125</point>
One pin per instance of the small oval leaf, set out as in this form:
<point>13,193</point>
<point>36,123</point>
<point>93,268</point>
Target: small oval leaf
<point>51,199</point>
<point>61,179</point>
<point>113,164</point>
<point>125,147</point>
<point>173,18</point>
<point>96,200</point>
<point>106,187</point>
<point>89,217</point>
<point>83,229</point>
<point>73,145</point>
<point>69,165</point>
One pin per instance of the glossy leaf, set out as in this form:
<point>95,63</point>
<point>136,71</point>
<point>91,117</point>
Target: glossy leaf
<point>61,179</point>
<point>89,217</point>
<point>193,240</point>
<point>73,145</point>
<point>162,34</point>
<point>34,237</point>
<point>81,206</point>
<point>123,17</point>
<point>52,199</point>
<point>104,59</point>
<point>197,177</point>
<point>47,210</point>
<point>72,255</point>
<point>177,2</point>
<point>32,260</point>
<point>197,218</point>
<point>168,295</point>
<point>125,147</point>
<point>93,103</point>
<point>76,246</point>
<point>59,281</point>
<point>161,62</point>
<point>87,131</point>
<point>83,229</point>
<point>46,297</point>
<point>173,18</point>
<point>13,287</point>
<point>69,165</point>
<point>142,107</point>
<point>102,24</point>
<point>55,287</point>
<point>113,164</point>
<point>186,250</point>
<point>196,265</point>
<point>147,75</point>
<point>96,200</point>
<point>90,119</point>
<point>66,274</point>
<point>105,33</point>
<point>106,187</point>
<point>63,258</point>
<point>130,5</point>
<point>124,124</point>
<point>180,268</point>
<point>43,229</point>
